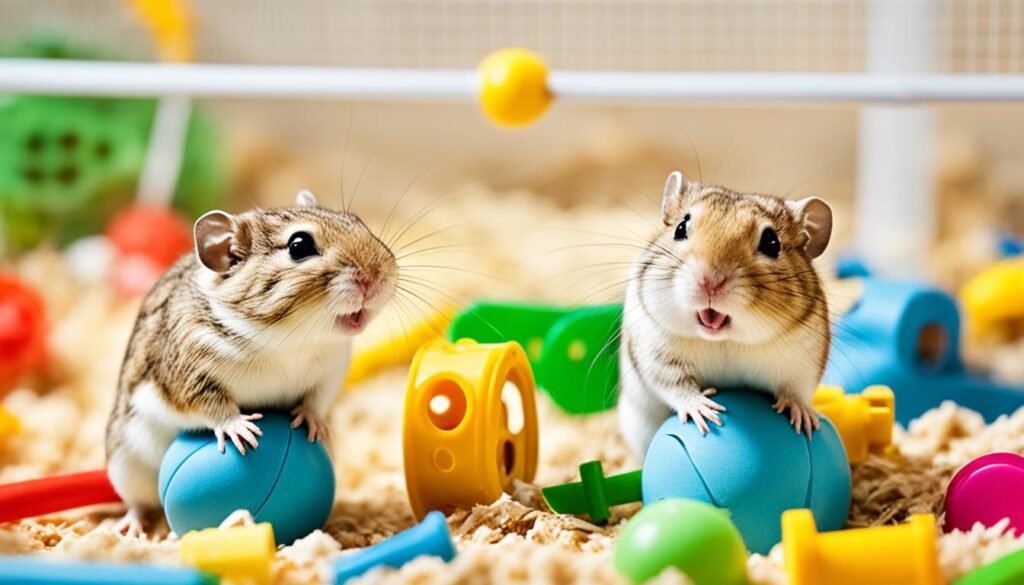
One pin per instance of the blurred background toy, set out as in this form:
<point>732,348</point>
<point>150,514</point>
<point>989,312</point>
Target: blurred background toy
<point>906,335</point>
<point>200,486</point>
<point>905,554</point>
<point>23,330</point>
<point>692,536</point>
<point>469,425</point>
<point>1008,570</point>
<point>754,465</point>
<point>428,538</point>
<point>514,87</point>
<point>396,351</point>
<point>574,351</point>
<point>985,491</point>
<point>992,301</point>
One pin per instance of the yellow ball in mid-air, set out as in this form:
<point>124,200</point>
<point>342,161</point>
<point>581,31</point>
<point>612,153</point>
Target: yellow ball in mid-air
<point>514,87</point>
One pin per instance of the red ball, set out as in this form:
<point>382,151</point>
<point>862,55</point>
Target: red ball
<point>23,329</point>
<point>151,231</point>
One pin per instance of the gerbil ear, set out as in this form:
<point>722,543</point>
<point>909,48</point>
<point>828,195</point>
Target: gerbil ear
<point>306,198</point>
<point>672,199</point>
<point>817,218</point>
<point>214,234</point>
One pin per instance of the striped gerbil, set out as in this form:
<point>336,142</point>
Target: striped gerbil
<point>260,316</point>
<point>724,296</point>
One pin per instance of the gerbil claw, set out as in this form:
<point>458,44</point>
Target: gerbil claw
<point>238,429</point>
<point>700,411</point>
<point>801,416</point>
<point>319,430</point>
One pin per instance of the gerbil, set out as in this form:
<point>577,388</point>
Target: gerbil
<point>724,296</point>
<point>260,316</point>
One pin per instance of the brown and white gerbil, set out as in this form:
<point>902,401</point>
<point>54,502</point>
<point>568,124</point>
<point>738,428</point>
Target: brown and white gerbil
<point>724,296</point>
<point>260,316</point>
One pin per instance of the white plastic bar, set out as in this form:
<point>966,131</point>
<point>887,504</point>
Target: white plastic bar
<point>98,78</point>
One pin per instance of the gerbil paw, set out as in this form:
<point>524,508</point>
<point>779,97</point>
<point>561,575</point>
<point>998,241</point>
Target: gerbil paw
<point>801,416</point>
<point>239,428</point>
<point>701,409</point>
<point>319,430</point>
<point>131,524</point>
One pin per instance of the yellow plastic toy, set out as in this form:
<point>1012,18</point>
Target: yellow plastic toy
<point>864,421</point>
<point>993,297</point>
<point>514,87</point>
<point>170,23</point>
<point>884,555</point>
<point>399,350</point>
<point>469,426</point>
<point>9,423</point>
<point>242,554</point>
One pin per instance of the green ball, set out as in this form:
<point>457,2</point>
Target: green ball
<point>696,538</point>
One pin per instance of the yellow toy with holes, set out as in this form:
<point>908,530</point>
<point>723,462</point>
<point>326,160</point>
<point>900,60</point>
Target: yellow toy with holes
<point>241,554</point>
<point>469,426</point>
<point>864,421</point>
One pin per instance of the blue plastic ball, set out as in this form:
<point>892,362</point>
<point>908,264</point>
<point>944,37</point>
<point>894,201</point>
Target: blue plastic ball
<point>755,465</point>
<point>287,481</point>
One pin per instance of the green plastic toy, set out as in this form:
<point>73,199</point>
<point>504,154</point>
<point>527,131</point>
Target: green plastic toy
<point>1008,570</point>
<point>694,537</point>
<point>573,351</point>
<point>66,164</point>
<point>594,494</point>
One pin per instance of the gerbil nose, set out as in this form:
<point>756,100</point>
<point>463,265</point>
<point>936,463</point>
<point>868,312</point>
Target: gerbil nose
<point>712,286</point>
<point>366,283</point>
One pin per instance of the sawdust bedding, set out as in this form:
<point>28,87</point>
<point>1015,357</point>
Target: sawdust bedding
<point>512,540</point>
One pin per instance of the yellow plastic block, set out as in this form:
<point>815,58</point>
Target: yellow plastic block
<point>242,554</point>
<point>398,350</point>
<point>9,423</point>
<point>994,295</point>
<point>514,87</point>
<point>469,426</point>
<point>885,555</point>
<point>864,421</point>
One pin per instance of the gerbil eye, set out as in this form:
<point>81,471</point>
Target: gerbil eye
<point>301,245</point>
<point>681,228</point>
<point>770,245</point>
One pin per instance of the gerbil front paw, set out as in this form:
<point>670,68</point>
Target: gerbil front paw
<point>699,407</point>
<point>238,428</point>
<point>319,430</point>
<point>801,416</point>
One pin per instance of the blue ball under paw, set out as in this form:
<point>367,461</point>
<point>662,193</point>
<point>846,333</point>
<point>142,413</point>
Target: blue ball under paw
<point>287,481</point>
<point>755,465</point>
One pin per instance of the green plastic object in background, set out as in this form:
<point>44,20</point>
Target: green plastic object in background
<point>1008,570</point>
<point>694,537</point>
<point>67,164</point>
<point>594,494</point>
<point>573,351</point>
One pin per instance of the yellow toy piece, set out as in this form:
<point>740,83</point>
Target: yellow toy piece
<point>170,23</point>
<point>884,555</point>
<point>399,350</point>
<point>864,421</point>
<point>242,554</point>
<point>469,426</point>
<point>9,423</point>
<point>994,296</point>
<point>514,87</point>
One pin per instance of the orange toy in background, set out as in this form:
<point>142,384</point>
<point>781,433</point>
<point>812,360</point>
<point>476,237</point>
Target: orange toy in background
<point>147,240</point>
<point>23,330</point>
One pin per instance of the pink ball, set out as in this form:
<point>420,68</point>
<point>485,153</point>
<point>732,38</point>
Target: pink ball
<point>987,490</point>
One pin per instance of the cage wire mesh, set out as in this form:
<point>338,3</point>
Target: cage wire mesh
<point>972,36</point>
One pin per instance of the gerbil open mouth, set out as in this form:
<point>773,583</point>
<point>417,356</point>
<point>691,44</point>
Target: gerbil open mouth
<point>352,322</point>
<point>712,320</point>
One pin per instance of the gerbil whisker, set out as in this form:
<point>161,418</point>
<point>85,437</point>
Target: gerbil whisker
<point>416,177</point>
